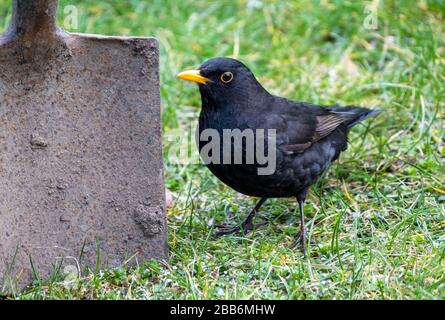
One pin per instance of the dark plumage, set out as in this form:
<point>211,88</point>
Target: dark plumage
<point>308,137</point>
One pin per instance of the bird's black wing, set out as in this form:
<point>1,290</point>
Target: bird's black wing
<point>304,124</point>
<point>323,126</point>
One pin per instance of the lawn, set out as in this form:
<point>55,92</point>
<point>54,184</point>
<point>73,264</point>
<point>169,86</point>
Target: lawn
<point>376,220</point>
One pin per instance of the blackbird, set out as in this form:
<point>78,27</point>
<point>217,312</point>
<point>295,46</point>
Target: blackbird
<point>308,137</point>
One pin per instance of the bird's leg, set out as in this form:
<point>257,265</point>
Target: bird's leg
<point>302,234</point>
<point>246,225</point>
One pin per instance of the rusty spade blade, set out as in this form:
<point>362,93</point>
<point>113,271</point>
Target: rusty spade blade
<point>81,173</point>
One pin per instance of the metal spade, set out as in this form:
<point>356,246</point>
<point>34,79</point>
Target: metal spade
<point>81,172</point>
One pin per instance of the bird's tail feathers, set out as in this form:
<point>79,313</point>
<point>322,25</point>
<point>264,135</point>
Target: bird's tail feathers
<point>355,115</point>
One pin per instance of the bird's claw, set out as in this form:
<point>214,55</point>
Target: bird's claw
<point>301,236</point>
<point>245,228</point>
<point>300,240</point>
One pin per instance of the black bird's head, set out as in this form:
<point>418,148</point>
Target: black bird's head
<point>223,81</point>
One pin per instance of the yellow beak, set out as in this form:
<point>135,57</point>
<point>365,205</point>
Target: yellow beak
<point>194,76</point>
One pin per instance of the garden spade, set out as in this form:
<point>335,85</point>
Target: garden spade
<point>81,172</point>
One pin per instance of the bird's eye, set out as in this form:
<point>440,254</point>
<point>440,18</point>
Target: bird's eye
<point>227,77</point>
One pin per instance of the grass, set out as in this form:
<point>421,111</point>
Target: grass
<point>376,220</point>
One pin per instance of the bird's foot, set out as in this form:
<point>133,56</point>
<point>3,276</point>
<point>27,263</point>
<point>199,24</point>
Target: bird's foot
<point>301,241</point>
<point>246,227</point>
